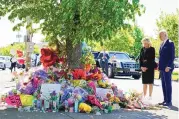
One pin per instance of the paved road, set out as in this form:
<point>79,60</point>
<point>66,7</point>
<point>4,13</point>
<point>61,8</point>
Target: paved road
<point>123,83</point>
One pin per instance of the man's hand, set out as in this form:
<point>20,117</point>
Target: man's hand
<point>167,69</point>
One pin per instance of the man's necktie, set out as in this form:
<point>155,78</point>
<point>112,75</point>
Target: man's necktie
<point>162,45</point>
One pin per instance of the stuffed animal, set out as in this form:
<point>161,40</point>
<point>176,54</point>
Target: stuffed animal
<point>83,107</point>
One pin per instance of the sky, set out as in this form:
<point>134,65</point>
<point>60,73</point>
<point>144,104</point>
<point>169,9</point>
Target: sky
<point>147,21</point>
<point>153,10</point>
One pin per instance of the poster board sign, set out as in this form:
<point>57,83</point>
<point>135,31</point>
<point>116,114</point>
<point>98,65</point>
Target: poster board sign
<point>13,100</point>
<point>46,89</point>
<point>26,100</point>
<point>30,47</point>
<point>101,92</point>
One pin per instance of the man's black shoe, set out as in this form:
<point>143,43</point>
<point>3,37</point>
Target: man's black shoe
<point>163,103</point>
<point>168,104</point>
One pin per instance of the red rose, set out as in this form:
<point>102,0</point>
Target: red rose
<point>48,57</point>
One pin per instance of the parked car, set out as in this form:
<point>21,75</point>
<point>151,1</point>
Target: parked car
<point>8,61</point>
<point>120,64</point>
<point>132,57</point>
<point>5,62</point>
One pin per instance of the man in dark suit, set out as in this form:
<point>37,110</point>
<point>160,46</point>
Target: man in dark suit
<point>104,58</point>
<point>166,66</point>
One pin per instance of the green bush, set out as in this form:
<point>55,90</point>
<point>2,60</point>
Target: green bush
<point>175,73</point>
<point>17,46</point>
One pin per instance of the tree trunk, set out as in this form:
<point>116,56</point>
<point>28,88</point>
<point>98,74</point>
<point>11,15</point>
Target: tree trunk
<point>74,54</point>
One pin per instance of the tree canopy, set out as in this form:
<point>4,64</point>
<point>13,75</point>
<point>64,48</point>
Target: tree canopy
<point>169,22</point>
<point>73,20</point>
<point>125,40</point>
<point>138,35</point>
<point>90,19</point>
<point>122,41</point>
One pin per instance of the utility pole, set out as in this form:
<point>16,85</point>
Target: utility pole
<point>29,46</point>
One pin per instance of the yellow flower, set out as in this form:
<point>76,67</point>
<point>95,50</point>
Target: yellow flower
<point>84,107</point>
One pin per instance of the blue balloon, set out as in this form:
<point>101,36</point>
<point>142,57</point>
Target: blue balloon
<point>85,48</point>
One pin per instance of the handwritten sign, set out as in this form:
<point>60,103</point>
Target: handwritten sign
<point>46,89</point>
<point>13,100</point>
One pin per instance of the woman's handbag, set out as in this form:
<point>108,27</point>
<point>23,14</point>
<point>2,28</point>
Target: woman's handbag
<point>155,65</point>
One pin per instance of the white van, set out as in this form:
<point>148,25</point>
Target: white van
<point>5,62</point>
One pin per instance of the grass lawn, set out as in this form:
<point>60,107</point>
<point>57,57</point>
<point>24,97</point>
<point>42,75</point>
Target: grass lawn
<point>174,75</point>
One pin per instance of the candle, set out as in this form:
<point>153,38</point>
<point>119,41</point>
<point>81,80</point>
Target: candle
<point>54,106</point>
<point>46,104</point>
<point>76,106</point>
<point>42,104</point>
<point>38,104</point>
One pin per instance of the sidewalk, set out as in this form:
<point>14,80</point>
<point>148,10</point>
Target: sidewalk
<point>122,114</point>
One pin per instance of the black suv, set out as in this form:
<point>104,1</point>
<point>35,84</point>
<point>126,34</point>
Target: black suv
<point>120,64</point>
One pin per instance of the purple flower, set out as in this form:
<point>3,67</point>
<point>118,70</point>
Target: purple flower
<point>28,89</point>
<point>11,93</point>
<point>66,95</point>
<point>53,93</point>
<point>41,74</point>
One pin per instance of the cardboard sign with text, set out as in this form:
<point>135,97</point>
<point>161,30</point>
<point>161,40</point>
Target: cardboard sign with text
<point>30,47</point>
<point>46,89</point>
<point>13,100</point>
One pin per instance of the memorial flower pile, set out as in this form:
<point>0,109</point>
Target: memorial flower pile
<point>52,88</point>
